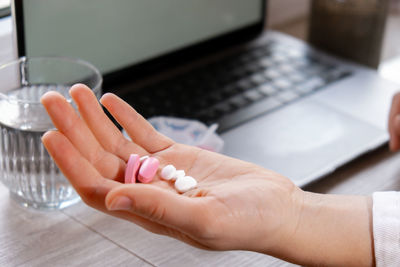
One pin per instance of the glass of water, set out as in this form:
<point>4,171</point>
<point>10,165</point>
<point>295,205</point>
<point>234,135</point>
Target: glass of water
<point>25,166</point>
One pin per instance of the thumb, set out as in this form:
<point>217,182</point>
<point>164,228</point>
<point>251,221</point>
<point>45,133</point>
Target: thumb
<point>159,205</point>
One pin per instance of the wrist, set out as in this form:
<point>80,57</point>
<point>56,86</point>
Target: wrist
<point>330,230</point>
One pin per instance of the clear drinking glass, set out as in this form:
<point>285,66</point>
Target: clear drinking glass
<point>26,168</point>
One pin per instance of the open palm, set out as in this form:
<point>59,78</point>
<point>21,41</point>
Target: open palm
<point>236,205</point>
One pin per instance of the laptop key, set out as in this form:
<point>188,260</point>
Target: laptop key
<point>295,53</point>
<point>272,74</point>
<point>253,95</point>
<point>314,69</point>
<point>282,84</point>
<point>230,90</point>
<point>252,68</point>
<point>267,89</point>
<point>310,85</point>
<point>238,101</point>
<point>238,73</point>
<point>286,68</point>
<point>207,115</point>
<point>286,96</point>
<point>258,78</point>
<point>296,77</point>
<point>259,53</point>
<point>216,96</point>
<point>278,57</point>
<point>302,63</point>
<point>224,107</point>
<point>245,84</point>
<point>266,62</point>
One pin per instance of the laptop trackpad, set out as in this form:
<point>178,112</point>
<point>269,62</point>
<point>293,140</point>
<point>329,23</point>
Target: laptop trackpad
<point>302,141</point>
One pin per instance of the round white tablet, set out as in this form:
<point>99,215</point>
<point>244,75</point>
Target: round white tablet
<point>168,172</point>
<point>184,184</point>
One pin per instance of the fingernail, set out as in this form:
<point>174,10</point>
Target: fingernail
<point>105,95</point>
<point>121,203</point>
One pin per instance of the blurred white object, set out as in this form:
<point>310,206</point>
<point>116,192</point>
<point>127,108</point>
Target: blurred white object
<point>6,43</point>
<point>390,70</point>
<point>189,132</point>
<point>4,3</point>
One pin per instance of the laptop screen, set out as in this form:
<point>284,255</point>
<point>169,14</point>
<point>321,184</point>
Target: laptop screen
<point>120,33</point>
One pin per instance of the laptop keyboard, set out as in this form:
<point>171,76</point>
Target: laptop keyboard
<point>239,87</point>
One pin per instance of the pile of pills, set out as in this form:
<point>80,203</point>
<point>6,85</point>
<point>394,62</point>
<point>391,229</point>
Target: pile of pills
<point>143,169</point>
<point>183,183</point>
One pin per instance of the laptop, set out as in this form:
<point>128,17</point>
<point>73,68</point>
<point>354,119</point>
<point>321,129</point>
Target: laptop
<point>279,102</point>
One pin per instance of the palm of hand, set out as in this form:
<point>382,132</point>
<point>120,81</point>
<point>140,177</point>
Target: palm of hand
<point>236,205</point>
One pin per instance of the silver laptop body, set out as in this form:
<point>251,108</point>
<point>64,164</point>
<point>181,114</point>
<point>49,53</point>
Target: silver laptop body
<point>320,132</point>
<point>303,140</point>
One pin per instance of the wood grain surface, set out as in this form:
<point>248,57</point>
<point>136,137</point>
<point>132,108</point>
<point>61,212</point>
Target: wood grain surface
<point>161,250</point>
<point>80,235</point>
<point>32,238</point>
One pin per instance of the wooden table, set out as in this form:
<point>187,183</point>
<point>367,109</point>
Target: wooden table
<point>81,236</point>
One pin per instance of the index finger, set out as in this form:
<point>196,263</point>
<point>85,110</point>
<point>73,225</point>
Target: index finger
<point>107,134</point>
<point>139,130</point>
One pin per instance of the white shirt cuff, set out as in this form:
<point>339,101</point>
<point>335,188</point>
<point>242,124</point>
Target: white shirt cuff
<point>386,228</point>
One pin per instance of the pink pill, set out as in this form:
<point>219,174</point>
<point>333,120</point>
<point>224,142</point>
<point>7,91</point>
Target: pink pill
<point>148,169</point>
<point>132,169</point>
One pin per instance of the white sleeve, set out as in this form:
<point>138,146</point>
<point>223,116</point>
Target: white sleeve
<point>386,228</point>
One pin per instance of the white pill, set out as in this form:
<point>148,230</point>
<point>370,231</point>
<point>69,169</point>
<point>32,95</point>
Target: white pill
<point>184,184</point>
<point>179,174</point>
<point>143,158</point>
<point>168,172</point>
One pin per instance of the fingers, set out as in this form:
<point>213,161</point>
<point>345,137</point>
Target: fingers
<point>69,123</point>
<point>107,134</point>
<point>140,131</point>
<point>394,123</point>
<point>86,180</point>
<point>158,205</point>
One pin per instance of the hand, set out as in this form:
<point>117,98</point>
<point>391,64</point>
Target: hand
<point>236,205</point>
<point>394,123</point>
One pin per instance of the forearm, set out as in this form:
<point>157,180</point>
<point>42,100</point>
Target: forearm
<point>332,230</point>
